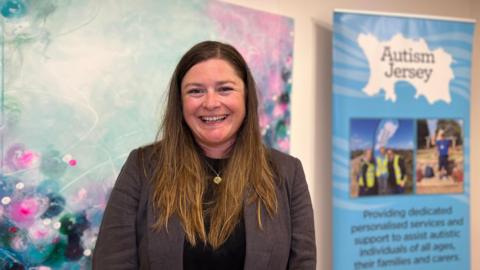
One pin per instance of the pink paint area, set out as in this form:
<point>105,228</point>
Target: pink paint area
<point>283,144</point>
<point>80,196</point>
<point>88,196</point>
<point>289,61</point>
<point>24,212</point>
<point>41,233</point>
<point>27,159</point>
<point>254,27</point>
<point>38,233</point>
<point>279,111</point>
<point>19,243</point>
<point>72,162</point>
<point>283,106</point>
<point>19,158</point>
<point>276,84</point>
<point>264,120</point>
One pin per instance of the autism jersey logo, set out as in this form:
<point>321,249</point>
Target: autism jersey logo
<point>403,59</point>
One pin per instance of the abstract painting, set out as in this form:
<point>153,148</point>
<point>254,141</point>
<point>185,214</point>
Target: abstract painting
<point>84,83</point>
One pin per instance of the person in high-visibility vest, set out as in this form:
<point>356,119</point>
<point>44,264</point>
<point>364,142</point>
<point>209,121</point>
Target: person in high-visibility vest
<point>396,172</point>
<point>367,179</point>
<point>381,171</point>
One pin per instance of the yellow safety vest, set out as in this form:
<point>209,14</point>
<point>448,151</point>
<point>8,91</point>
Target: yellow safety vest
<point>382,166</point>
<point>398,171</point>
<point>370,175</point>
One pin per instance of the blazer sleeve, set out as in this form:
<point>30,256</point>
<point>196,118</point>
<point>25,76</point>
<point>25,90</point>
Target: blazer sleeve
<point>116,246</point>
<point>303,249</point>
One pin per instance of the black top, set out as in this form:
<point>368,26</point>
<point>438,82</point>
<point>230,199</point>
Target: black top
<point>230,255</point>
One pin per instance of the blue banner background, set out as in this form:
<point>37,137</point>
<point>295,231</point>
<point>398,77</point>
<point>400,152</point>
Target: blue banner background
<point>350,75</point>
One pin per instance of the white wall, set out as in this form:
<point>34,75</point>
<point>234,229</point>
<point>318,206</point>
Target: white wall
<point>311,106</point>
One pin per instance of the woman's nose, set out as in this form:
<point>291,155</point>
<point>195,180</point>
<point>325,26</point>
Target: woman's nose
<point>211,100</point>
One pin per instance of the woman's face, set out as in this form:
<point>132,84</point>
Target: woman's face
<point>213,99</point>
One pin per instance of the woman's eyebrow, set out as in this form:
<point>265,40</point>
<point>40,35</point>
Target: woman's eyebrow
<point>193,84</point>
<point>226,82</point>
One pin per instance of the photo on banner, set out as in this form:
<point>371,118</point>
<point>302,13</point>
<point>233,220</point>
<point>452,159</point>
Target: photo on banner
<point>84,83</point>
<point>440,156</point>
<point>401,132</point>
<point>382,154</point>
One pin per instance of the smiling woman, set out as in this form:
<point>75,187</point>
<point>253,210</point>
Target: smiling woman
<point>213,99</point>
<point>209,194</point>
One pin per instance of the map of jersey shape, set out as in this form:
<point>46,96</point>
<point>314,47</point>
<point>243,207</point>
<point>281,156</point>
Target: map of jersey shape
<point>402,59</point>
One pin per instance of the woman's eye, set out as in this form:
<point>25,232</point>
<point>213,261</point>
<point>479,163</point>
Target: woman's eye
<point>225,89</point>
<point>195,91</point>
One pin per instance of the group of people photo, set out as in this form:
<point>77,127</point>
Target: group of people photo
<point>405,156</point>
<point>382,174</point>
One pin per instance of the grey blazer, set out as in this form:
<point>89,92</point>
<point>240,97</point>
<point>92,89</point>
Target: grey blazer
<point>127,241</point>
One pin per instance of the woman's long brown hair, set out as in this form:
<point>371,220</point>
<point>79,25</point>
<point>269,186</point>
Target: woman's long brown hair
<point>180,176</point>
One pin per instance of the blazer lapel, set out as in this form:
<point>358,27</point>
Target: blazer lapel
<point>258,242</point>
<point>165,248</point>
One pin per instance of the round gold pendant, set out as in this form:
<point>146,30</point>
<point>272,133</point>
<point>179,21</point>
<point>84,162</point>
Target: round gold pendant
<point>217,180</point>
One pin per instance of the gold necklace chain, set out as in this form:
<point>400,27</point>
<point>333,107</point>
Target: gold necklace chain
<point>217,179</point>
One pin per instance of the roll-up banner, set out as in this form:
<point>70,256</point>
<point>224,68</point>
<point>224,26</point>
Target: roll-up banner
<point>401,133</point>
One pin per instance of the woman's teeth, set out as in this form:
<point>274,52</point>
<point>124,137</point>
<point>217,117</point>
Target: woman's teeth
<point>213,118</point>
